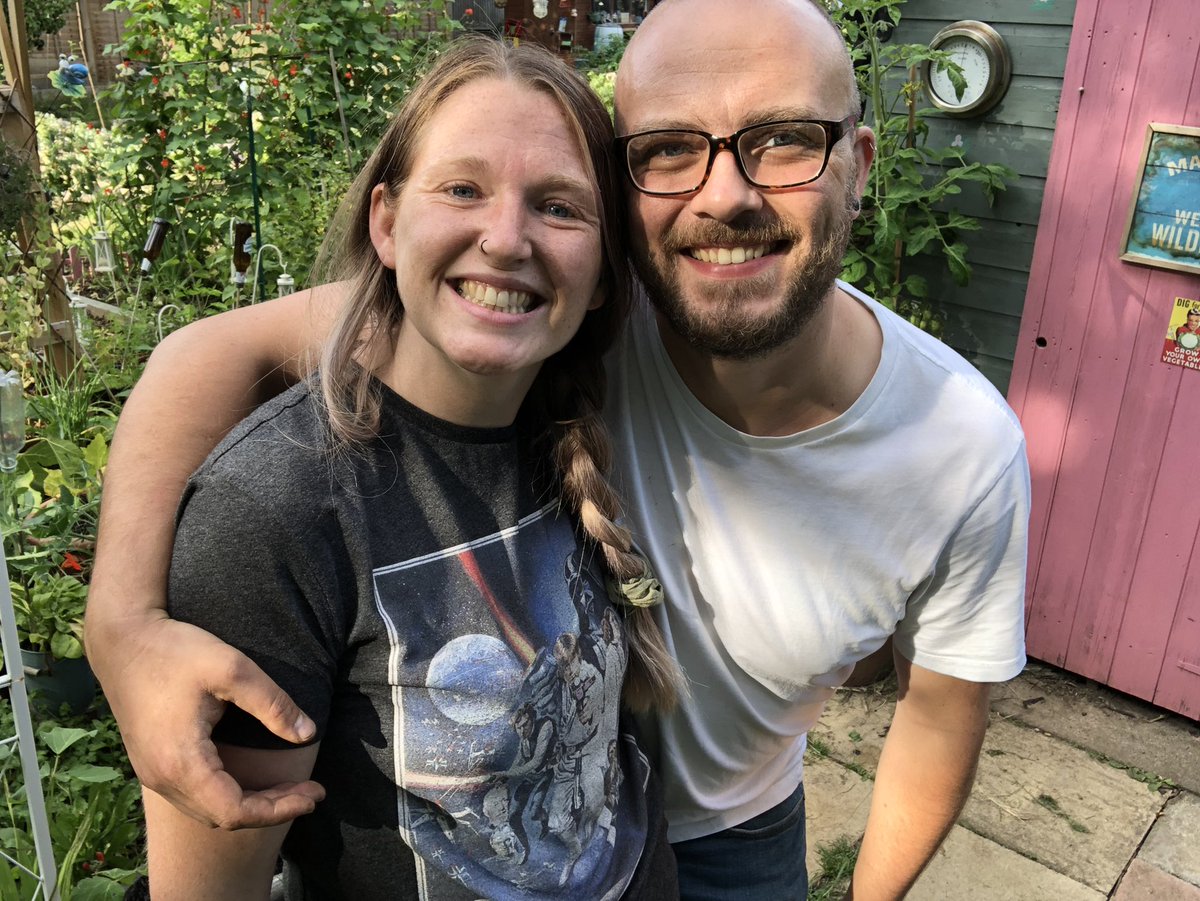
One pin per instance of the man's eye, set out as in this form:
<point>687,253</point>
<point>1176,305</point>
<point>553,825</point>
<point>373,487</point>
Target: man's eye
<point>790,138</point>
<point>560,210</point>
<point>466,192</point>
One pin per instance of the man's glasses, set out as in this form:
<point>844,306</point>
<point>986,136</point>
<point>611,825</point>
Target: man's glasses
<point>770,155</point>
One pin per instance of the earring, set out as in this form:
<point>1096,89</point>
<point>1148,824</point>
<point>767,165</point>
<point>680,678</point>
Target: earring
<point>855,205</point>
<point>483,249</point>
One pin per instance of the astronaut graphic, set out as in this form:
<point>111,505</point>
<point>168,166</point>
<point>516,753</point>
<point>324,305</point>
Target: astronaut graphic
<point>506,666</point>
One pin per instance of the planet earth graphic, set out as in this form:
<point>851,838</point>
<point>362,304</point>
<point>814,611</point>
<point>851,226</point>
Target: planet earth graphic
<point>474,679</point>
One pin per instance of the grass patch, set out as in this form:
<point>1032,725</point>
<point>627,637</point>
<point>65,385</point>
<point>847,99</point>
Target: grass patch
<point>861,770</point>
<point>818,747</point>
<point>837,866</point>
<point>1152,781</point>
<point>1050,804</point>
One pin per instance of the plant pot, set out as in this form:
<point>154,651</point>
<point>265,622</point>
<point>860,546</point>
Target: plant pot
<point>52,682</point>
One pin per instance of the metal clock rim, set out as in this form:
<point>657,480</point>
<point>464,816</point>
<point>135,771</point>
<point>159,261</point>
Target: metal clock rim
<point>994,46</point>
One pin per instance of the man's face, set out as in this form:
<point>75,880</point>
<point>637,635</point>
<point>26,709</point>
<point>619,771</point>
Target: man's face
<point>716,67</point>
<point>1193,320</point>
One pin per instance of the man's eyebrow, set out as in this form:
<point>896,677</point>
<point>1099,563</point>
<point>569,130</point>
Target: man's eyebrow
<point>756,117</point>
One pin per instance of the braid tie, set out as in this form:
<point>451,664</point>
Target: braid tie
<point>641,591</point>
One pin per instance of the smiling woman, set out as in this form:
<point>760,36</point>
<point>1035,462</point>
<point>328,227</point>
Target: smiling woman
<point>386,539</point>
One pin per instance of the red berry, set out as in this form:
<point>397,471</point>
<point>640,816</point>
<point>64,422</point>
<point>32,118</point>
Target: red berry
<point>100,856</point>
<point>162,133</point>
<point>274,82</point>
<point>154,79</point>
<point>292,71</point>
<point>87,867</point>
<point>166,164</point>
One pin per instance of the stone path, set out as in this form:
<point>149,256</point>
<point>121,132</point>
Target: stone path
<point>1082,794</point>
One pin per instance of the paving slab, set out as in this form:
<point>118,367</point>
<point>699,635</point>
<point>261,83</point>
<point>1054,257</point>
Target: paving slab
<point>1055,804</point>
<point>1106,721</point>
<point>968,866</point>
<point>836,802</point>
<point>1174,843</point>
<point>1143,882</point>
<point>853,726</point>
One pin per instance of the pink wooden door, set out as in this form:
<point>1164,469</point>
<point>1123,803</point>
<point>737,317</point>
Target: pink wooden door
<point>1114,434</point>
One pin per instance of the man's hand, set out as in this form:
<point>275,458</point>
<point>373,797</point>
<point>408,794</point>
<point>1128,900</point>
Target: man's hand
<point>168,686</point>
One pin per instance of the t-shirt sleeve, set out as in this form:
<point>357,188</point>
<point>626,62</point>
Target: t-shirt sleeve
<point>968,619</point>
<point>253,581</point>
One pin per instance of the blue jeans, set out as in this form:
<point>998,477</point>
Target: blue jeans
<point>760,860</point>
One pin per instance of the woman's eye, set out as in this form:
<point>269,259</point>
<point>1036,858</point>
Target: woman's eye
<point>466,192</point>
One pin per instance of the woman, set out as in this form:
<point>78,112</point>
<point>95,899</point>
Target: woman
<point>390,546</point>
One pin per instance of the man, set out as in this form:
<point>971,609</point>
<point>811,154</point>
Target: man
<point>1191,327</point>
<point>809,475</point>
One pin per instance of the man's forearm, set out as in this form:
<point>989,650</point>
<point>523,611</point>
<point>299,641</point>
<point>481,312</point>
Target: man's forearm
<point>198,384</point>
<point>169,424</point>
<point>924,777</point>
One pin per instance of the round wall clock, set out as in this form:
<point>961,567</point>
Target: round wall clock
<point>986,66</point>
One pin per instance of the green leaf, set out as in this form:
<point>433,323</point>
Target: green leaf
<point>87,772</point>
<point>916,286</point>
<point>102,887</point>
<point>65,646</point>
<point>59,738</point>
<point>956,257</point>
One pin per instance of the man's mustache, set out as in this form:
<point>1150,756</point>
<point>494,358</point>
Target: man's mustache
<point>722,234</point>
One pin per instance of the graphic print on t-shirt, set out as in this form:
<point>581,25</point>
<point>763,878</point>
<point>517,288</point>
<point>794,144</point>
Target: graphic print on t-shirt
<point>506,665</point>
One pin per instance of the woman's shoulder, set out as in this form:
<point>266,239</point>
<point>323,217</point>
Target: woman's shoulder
<point>280,448</point>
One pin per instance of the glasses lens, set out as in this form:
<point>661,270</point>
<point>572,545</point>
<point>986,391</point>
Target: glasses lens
<point>667,162</point>
<point>783,153</point>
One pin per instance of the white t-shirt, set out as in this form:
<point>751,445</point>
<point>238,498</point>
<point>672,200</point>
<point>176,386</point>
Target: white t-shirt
<point>787,559</point>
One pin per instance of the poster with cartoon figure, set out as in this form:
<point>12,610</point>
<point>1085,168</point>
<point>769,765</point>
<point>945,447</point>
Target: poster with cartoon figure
<point>506,668</point>
<point>1182,344</point>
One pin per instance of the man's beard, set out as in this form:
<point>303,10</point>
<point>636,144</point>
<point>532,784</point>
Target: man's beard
<point>727,329</point>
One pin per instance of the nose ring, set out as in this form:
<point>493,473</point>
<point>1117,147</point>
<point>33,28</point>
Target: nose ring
<point>483,249</point>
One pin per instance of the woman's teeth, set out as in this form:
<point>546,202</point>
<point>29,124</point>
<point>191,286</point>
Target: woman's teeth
<point>724,256</point>
<point>503,301</point>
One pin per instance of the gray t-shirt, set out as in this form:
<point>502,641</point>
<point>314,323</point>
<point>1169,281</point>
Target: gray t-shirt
<point>428,604</point>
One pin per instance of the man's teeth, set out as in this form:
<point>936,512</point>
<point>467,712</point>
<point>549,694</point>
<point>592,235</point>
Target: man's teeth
<point>723,256</point>
<point>495,299</point>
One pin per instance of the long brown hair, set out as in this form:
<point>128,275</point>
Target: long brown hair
<point>570,387</point>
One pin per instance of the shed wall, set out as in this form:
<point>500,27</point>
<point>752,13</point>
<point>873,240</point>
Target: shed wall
<point>985,315</point>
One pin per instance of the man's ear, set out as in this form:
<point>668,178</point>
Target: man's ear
<point>383,218</point>
<point>864,155</point>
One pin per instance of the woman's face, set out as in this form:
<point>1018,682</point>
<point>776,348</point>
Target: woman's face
<point>495,239</point>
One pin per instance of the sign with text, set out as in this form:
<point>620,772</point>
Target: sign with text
<point>1164,217</point>
<point>1182,344</point>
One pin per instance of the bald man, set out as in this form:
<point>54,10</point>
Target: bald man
<point>809,475</point>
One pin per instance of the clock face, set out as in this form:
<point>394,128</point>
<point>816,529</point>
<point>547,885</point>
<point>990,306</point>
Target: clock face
<point>982,57</point>
<point>976,70</point>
